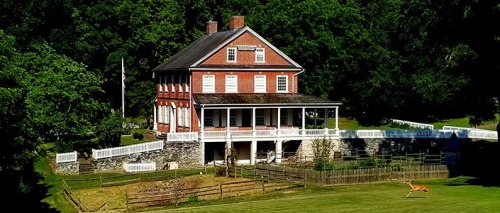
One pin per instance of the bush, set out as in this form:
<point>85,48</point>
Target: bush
<point>138,135</point>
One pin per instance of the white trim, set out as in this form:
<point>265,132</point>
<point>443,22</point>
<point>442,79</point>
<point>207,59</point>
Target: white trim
<point>208,84</point>
<point>243,30</point>
<point>245,69</point>
<point>278,85</point>
<point>261,87</point>
<point>261,53</point>
<point>231,84</point>
<point>235,54</point>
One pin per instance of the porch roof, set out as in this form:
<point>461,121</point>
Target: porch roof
<point>261,99</point>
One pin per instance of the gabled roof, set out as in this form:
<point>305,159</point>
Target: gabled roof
<point>261,99</point>
<point>201,49</point>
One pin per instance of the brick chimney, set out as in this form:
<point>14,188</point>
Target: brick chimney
<point>211,27</point>
<point>236,22</point>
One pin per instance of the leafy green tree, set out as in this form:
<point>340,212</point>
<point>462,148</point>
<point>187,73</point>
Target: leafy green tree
<point>62,97</point>
<point>20,147</point>
<point>109,130</point>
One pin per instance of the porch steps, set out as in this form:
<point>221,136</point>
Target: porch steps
<point>85,167</point>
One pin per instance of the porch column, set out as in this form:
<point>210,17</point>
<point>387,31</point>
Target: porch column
<point>337,120</point>
<point>279,145</point>
<point>202,135</point>
<point>303,121</point>
<point>325,120</point>
<point>202,149</point>
<point>155,125</point>
<point>254,133</point>
<point>279,122</point>
<point>228,130</point>
<point>253,152</point>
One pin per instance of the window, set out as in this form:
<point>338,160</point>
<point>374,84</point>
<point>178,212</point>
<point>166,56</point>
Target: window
<point>161,85</point>
<point>282,83</point>
<point>259,83</point>
<point>180,83</point>
<point>231,54</point>
<point>187,83</point>
<point>173,83</point>
<point>283,117</point>
<point>209,118</point>
<point>231,83</point>
<point>259,117</point>
<point>187,117</point>
<point>208,83</point>
<point>180,116</point>
<point>165,83</point>
<point>167,114</point>
<point>232,119</point>
<point>160,114</point>
<point>260,55</point>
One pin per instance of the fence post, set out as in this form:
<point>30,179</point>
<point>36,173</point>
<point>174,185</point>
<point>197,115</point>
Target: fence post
<point>220,189</point>
<point>263,186</point>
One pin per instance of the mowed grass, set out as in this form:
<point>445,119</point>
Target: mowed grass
<point>377,197</point>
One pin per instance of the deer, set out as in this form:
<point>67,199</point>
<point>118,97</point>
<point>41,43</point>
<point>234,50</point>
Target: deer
<point>415,187</point>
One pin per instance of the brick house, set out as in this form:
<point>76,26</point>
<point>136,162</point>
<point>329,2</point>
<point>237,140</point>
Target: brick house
<point>233,89</point>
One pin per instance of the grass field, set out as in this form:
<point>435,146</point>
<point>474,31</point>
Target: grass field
<point>379,197</point>
<point>384,197</point>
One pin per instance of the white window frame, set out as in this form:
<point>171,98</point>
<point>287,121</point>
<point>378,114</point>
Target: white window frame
<point>260,55</point>
<point>260,117</point>
<point>180,83</point>
<point>234,52</point>
<point>167,114</point>
<point>173,83</point>
<point>209,118</point>
<point>165,84</point>
<point>208,84</point>
<point>187,83</point>
<point>160,114</point>
<point>161,85</point>
<point>187,122</point>
<point>259,85</point>
<point>231,84</point>
<point>280,88</point>
<point>181,116</point>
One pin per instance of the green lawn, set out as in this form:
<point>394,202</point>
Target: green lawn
<point>379,197</point>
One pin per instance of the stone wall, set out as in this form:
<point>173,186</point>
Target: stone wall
<point>185,154</point>
<point>68,168</point>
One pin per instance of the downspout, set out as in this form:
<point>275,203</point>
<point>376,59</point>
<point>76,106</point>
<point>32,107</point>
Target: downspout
<point>293,79</point>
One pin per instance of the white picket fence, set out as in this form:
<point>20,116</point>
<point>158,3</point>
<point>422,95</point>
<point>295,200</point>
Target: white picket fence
<point>66,157</point>
<point>127,150</point>
<point>139,167</point>
<point>414,124</point>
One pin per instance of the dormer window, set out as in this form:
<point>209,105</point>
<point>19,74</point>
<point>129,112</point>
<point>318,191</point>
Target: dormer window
<point>231,54</point>
<point>260,55</point>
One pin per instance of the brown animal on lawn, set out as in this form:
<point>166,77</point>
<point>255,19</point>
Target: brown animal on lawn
<point>416,187</point>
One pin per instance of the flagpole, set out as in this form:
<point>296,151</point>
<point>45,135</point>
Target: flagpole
<point>123,89</point>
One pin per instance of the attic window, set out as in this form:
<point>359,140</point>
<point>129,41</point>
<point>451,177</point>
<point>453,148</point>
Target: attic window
<point>260,55</point>
<point>246,47</point>
<point>231,54</point>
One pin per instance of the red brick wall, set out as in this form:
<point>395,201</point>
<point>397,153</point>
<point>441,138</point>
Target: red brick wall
<point>246,57</point>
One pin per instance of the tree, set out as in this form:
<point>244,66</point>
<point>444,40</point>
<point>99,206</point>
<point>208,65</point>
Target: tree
<point>20,147</point>
<point>62,98</point>
<point>322,152</point>
<point>109,130</point>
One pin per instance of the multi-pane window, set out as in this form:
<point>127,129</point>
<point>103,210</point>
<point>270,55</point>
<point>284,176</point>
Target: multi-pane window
<point>259,117</point>
<point>167,114</point>
<point>180,83</point>
<point>187,117</point>
<point>208,83</point>
<point>173,83</point>
<point>259,83</point>
<point>180,116</point>
<point>232,119</point>
<point>187,83</point>
<point>260,55</point>
<point>231,83</point>
<point>282,83</point>
<point>160,115</point>
<point>231,54</point>
<point>283,117</point>
<point>161,85</point>
<point>208,118</point>
<point>165,83</point>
